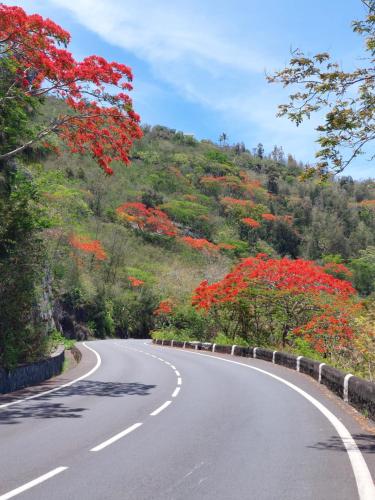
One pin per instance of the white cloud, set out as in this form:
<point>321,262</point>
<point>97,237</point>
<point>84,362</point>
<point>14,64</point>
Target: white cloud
<point>198,54</point>
<point>164,32</point>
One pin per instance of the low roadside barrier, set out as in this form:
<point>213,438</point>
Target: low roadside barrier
<point>357,392</point>
<point>32,373</point>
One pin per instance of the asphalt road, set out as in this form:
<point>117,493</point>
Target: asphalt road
<point>159,423</point>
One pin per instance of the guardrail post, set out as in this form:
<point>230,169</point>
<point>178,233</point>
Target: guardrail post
<point>232,351</point>
<point>255,352</point>
<point>162,342</point>
<point>320,372</point>
<point>213,347</point>
<point>183,347</point>
<point>346,387</point>
<point>298,363</point>
<point>273,356</point>
<point>172,343</point>
<point>196,347</point>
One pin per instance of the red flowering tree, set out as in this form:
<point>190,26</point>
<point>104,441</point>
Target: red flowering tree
<point>201,244</point>
<point>135,282</point>
<point>266,299</point>
<point>35,63</point>
<point>269,217</point>
<point>251,222</point>
<point>326,333</point>
<point>164,308</point>
<point>88,246</point>
<point>146,219</point>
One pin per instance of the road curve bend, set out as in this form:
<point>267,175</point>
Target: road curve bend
<point>159,423</point>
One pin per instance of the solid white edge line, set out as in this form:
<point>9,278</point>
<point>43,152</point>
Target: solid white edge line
<point>68,384</point>
<point>362,475</point>
<point>160,409</point>
<point>175,392</point>
<point>115,438</point>
<point>173,367</point>
<point>179,381</point>
<point>32,483</point>
<point>177,373</point>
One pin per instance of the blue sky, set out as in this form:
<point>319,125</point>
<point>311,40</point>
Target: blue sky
<point>200,66</point>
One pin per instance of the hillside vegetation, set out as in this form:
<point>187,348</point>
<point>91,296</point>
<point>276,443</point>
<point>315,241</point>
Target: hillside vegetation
<point>123,254</point>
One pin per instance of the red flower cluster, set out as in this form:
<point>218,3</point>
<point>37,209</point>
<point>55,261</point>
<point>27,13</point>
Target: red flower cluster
<point>89,246</point>
<point>225,246</point>
<point>269,217</point>
<point>367,203</point>
<point>326,333</point>
<point>102,121</point>
<point>147,219</point>
<point>165,307</point>
<point>251,222</point>
<point>295,276</point>
<point>272,218</point>
<point>337,270</point>
<point>135,282</point>
<point>200,244</point>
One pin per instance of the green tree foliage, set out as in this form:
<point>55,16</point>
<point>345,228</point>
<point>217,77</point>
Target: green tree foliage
<point>348,97</point>
<point>364,271</point>
<point>22,333</point>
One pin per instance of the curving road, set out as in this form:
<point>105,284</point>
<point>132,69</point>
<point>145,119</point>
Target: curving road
<point>160,423</point>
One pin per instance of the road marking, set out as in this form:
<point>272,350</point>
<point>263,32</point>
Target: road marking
<point>161,408</point>
<point>175,392</point>
<point>155,412</point>
<point>32,483</point>
<point>68,384</point>
<point>116,437</point>
<point>362,475</point>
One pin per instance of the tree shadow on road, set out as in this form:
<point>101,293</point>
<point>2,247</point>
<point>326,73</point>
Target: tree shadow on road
<point>365,442</point>
<point>48,407</point>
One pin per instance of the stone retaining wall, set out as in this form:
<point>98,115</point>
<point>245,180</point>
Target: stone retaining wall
<point>32,373</point>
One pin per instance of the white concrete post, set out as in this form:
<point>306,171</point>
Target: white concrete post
<point>298,363</point>
<point>320,372</point>
<point>346,387</point>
